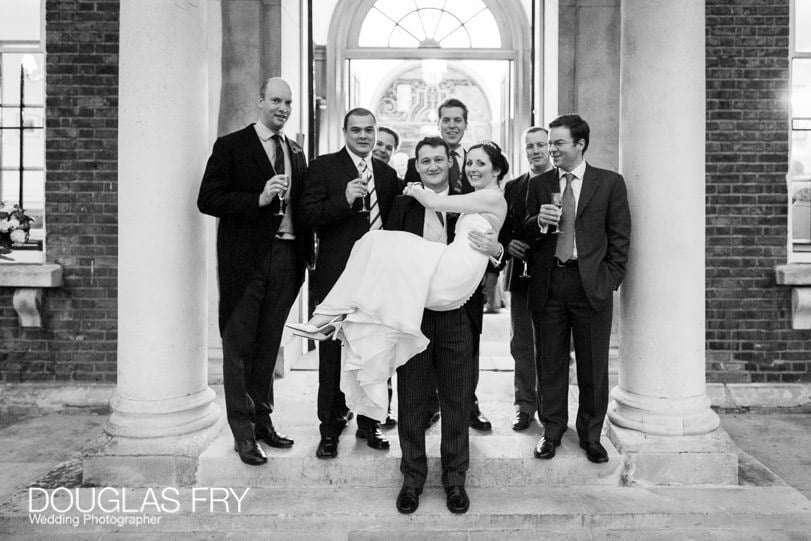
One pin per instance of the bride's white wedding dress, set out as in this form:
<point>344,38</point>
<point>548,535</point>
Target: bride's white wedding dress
<point>391,276</point>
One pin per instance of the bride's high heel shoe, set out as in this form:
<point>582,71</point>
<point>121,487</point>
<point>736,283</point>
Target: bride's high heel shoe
<point>327,331</point>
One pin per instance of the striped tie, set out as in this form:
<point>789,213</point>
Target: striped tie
<point>374,210</point>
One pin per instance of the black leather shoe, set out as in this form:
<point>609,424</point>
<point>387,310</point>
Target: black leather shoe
<point>479,422</point>
<point>431,420</point>
<point>457,500</point>
<point>595,451</point>
<point>250,452</point>
<point>273,438</point>
<point>521,421</point>
<point>408,499</point>
<point>390,422</point>
<point>374,438</point>
<point>546,448</point>
<point>327,447</point>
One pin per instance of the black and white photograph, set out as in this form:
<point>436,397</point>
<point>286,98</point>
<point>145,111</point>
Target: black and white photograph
<point>354,270</point>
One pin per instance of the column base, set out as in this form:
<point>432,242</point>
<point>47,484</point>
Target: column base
<point>149,443</point>
<point>707,459</point>
<point>662,416</point>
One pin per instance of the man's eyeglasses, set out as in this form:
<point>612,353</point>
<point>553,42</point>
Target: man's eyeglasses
<point>559,143</point>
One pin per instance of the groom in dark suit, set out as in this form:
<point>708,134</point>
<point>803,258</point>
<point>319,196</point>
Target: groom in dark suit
<point>331,203</point>
<point>261,256</point>
<point>577,261</point>
<point>448,366</point>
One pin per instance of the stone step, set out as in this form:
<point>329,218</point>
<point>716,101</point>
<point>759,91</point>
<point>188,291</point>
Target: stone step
<point>498,458</point>
<point>495,461</point>
<point>510,513</point>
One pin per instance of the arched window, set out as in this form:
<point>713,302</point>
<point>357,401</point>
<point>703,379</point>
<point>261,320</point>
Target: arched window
<point>426,23</point>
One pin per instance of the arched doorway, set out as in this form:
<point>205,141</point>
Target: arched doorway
<point>402,59</point>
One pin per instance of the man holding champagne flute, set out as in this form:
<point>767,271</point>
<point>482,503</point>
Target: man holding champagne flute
<point>575,270</point>
<point>517,274</point>
<point>262,249</point>
<point>347,194</point>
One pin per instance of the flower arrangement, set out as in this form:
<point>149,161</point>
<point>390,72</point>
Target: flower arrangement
<point>14,227</point>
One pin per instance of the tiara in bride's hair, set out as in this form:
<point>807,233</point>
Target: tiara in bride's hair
<point>490,143</point>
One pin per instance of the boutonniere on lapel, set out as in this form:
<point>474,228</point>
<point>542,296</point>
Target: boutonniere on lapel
<point>294,148</point>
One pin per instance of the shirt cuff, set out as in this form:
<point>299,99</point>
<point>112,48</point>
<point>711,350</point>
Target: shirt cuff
<point>496,261</point>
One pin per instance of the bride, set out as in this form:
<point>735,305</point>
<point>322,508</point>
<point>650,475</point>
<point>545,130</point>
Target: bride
<point>375,308</point>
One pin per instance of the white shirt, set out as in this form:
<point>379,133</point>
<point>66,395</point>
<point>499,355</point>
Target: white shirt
<point>265,134</point>
<point>432,228</point>
<point>356,160</point>
<point>577,185</point>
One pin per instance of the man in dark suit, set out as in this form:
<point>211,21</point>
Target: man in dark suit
<point>332,203</point>
<point>452,125</point>
<point>574,273</point>
<point>512,236</point>
<point>261,255</point>
<point>448,365</point>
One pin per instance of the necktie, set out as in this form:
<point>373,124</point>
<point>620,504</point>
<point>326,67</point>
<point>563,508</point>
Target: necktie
<point>441,218</point>
<point>565,247</point>
<point>278,155</point>
<point>374,210</point>
<point>454,175</point>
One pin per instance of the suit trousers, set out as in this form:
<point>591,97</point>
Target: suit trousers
<point>522,349</point>
<point>331,400</point>
<point>567,312</point>
<point>252,336</point>
<point>447,367</point>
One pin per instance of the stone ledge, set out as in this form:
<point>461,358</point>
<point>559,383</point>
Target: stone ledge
<point>30,275</point>
<point>759,395</point>
<point>797,275</point>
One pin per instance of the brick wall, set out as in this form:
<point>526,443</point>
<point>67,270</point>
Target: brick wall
<point>749,336</point>
<point>78,338</point>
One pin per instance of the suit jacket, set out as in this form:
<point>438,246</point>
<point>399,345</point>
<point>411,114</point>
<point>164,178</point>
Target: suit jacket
<point>412,175</point>
<point>324,208</point>
<point>602,235</point>
<point>408,215</point>
<point>234,177</point>
<point>515,193</point>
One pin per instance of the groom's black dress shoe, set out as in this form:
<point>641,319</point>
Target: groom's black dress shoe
<point>273,438</point>
<point>374,438</point>
<point>327,447</point>
<point>457,500</point>
<point>595,451</point>
<point>250,452</point>
<point>546,448</point>
<point>409,499</point>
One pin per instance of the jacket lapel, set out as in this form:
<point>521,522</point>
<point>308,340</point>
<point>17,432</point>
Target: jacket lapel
<point>590,181</point>
<point>257,152</point>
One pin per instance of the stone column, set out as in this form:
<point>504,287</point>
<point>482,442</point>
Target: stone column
<point>163,412</point>
<point>661,388</point>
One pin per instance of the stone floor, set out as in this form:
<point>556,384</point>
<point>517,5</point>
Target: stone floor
<point>570,499</point>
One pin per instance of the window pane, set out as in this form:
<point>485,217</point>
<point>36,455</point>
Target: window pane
<point>34,149</point>
<point>33,191</point>
<point>801,212</point>
<point>20,20</point>
<point>34,80</point>
<point>800,154</point>
<point>802,25</point>
<point>801,87</point>
<point>453,23</point>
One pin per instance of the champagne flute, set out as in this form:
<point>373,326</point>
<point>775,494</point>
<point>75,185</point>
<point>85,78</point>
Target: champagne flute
<point>282,194</point>
<point>364,208</point>
<point>525,273</point>
<point>557,200</point>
